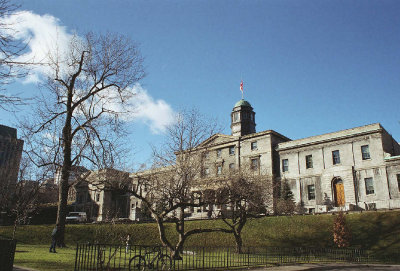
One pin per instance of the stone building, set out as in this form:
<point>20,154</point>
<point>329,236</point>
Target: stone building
<point>10,157</point>
<point>353,169</point>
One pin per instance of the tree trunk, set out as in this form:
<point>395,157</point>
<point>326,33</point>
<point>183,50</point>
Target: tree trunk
<point>65,173</point>
<point>15,227</point>
<point>239,241</point>
<point>181,231</point>
<point>62,205</point>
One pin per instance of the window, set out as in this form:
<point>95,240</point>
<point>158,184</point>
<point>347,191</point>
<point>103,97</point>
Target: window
<point>231,166</point>
<point>219,170</point>
<point>285,165</point>
<point>311,191</point>
<point>254,145</point>
<point>235,116</point>
<point>309,163</point>
<point>398,181</point>
<point>206,171</point>
<point>365,152</point>
<point>369,186</point>
<point>336,157</point>
<point>232,150</point>
<point>254,163</point>
<point>219,152</point>
<point>206,155</point>
<point>98,197</point>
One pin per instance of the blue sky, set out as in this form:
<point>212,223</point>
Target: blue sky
<point>309,67</point>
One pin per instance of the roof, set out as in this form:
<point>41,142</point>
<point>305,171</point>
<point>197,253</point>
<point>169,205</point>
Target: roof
<point>343,134</point>
<point>242,102</point>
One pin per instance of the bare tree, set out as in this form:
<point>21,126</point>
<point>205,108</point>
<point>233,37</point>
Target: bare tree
<point>167,190</point>
<point>10,49</point>
<point>78,115</point>
<point>246,194</point>
<point>23,201</point>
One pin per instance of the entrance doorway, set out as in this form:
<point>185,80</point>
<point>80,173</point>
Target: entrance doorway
<point>338,192</point>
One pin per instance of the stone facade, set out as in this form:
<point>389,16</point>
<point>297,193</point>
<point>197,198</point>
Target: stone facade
<point>10,157</point>
<point>350,169</point>
<point>353,169</point>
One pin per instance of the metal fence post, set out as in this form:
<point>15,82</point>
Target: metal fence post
<point>203,259</point>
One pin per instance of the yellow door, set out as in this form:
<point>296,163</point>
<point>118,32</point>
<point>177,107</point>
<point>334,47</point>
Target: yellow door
<point>339,194</point>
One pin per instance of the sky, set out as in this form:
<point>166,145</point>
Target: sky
<point>308,67</point>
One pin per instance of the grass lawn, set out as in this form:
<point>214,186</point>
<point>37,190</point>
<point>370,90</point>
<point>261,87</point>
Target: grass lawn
<point>38,257</point>
<point>375,231</point>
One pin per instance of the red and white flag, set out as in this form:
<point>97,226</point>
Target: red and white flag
<point>241,86</point>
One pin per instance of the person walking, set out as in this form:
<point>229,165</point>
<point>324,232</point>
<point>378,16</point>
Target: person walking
<point>128,243</point>
<point>54,236</point>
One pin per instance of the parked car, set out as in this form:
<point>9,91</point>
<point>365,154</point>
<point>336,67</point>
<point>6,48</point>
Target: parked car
<point>76,217</point>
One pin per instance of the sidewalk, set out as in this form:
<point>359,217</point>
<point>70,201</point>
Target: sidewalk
<point>21,268</point>
<point>332,267</point>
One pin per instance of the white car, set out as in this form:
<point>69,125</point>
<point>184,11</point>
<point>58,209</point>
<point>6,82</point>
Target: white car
<point>76,217</point>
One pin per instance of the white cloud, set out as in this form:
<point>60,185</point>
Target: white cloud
<point>155,113</point>
<point>45,36</point>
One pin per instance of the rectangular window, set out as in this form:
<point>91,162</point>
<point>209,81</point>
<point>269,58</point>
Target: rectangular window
<point>254,145</point>
<point>311,191</point>
<point>206,155</point>
<point>254,163</point>
<point>98,197</point>
<point>336,157</point>
<point>369,186</point>
<point>231,166</point>
<point>235,116</point>
<point>365,152</point>
<point>285,165</point>
<point>206,171</point>
<point>231,150</point>
<point>219,152</point>
<point>398,181</point>
<point>219,170</point>
<point>309,162</point>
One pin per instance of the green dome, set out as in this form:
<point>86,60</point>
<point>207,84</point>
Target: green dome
<point>242,103</point>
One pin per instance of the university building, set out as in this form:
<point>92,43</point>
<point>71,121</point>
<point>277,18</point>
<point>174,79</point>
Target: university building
<point>353,169</point>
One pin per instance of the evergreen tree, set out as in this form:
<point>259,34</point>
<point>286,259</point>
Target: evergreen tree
<point>341,233</point>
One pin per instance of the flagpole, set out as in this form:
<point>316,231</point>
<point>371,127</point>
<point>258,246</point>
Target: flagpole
<point>241,80</point>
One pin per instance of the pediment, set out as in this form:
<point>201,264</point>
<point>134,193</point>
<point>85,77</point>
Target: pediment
<point>216,140</point>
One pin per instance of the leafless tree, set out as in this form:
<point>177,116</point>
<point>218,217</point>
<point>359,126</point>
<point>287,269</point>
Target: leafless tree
<point>23,200</point>
<point>246,193</point>
<point>167,189</point>
<point>10,49</point>
<point>77,120</point>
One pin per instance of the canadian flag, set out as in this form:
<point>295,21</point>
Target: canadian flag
<point>241,86</point>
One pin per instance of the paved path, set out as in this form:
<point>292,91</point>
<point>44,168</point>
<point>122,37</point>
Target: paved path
<point>300,267</point>
<point>21,268</point>
<point>333,267</point>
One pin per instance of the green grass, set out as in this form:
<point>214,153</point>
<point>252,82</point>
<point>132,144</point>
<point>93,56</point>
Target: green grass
<point>377,231</point>
<point>38,257</point>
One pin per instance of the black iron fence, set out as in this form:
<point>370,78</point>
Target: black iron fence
<point>7,252</point>
<point>121,257</point>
